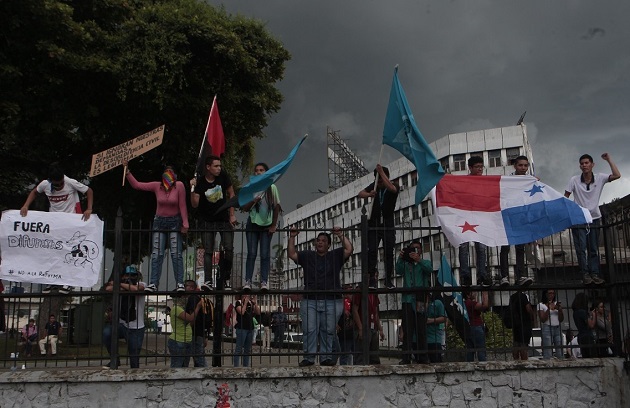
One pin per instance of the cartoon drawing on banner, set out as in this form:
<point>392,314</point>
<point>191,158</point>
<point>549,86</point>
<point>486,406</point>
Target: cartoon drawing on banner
<point>83,251</point>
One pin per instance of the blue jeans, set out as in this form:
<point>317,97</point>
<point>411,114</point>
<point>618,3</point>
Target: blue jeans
<point>166,230</point>
<point>464,262</point>
<point>198,352</point>
<point>319,323</point>
<point>134,338</point>
<point>477,340</point>
<point>227,242</point>
<point>585,240</point>
<point>243,347</point>
<point>180,353</point>
<point>551,335</point>
<point>255,234</point>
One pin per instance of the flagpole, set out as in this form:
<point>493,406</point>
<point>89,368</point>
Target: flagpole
<point>369,214</point>
<point>203,140</point>
<point>124,174</point>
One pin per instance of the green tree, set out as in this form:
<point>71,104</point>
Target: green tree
<point>80,76</point>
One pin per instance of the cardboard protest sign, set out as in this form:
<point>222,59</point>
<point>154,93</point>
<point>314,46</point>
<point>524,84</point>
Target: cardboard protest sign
<point>51,248</point>
<point>113,157</point>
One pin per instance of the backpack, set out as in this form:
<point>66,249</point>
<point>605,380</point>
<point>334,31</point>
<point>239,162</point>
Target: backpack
<point>229,316</point>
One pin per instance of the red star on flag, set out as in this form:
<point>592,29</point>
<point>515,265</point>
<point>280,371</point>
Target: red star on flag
<point>468,227</point>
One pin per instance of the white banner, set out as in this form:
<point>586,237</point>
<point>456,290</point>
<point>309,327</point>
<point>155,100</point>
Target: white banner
<point>51,248</point>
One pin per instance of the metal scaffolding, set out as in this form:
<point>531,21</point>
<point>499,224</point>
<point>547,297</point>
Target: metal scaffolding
<point>343,165</point>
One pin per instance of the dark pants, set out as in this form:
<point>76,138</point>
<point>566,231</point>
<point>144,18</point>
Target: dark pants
<point>414,323</point>
<point>374,358</point>
<point>519,270</point>
<point>388,237</point>
<point>225,256</point>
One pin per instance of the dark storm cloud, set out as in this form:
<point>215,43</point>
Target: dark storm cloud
<point>464,66</point>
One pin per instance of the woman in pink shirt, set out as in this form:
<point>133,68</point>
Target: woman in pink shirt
<point>171,220</point>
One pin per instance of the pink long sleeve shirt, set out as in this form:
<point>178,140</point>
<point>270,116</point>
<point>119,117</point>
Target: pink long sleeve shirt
<point>169,204</point>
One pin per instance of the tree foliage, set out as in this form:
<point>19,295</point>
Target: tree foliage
<point>81,76</point>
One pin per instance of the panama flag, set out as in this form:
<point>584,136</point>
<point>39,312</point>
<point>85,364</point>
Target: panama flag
<point>503,210</point>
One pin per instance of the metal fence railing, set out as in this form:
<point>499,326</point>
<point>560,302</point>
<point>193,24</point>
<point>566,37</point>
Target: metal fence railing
<point>88,339</point>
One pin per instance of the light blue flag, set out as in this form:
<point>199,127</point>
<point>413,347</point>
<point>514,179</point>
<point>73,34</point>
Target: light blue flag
<point>258,184</point>
<point>453,299</point>
<point>401,133</point>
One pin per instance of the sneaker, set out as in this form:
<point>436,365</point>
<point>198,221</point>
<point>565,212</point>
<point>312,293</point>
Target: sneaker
<point>372,284</point>
<point>466,280</point>
<point>525,281</point>
<point>263,286</point>
<point>150,288</point>
<point>227,285</point>
<point>327,362</point>
<point>65,289</point>
<point>587,279</point>
<point>390,286</point>
<point>505,281</point>
<point>597,280</point>
<point>485,282</point>
<point>47,289</point>
<point>207,286</point>
<point>247,285</point>
<point>180,288</point>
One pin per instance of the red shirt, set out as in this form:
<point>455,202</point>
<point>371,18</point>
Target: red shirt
<point>373,303</point>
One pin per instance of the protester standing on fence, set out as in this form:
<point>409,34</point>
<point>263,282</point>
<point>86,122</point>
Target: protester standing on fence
<point>587,189</point>
<point>475,168</point>
<point>521,167</point>
<point>209,192</point>
<point>476,342</point>
<point>278,326</point>
<point>246,307</point>
<point>416,273</point>
<point>29,336</point>
<point>381,225</point>
<point>522,315</point>
<point>63,195</point>
<point>320,312</point>
<point>181,341</point>
<point>603,330</point>
<point>436,319</point>
<point>171,220</point>
<point>585,322</point>
<point>261,225</point>
<point>52,333</point>
<point>131,315</point>
<point>551,315</point>
<point>202,324</point>
<point>375,328</point>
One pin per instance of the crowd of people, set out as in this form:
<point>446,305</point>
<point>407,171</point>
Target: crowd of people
<point>333,325</point>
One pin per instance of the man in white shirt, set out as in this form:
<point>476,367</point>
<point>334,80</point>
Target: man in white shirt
<point>63,196</point>
<point>587,188</point>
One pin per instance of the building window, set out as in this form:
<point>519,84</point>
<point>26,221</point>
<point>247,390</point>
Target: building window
<point>345,207</point>
<point>494,158</point>
<point>426,208</point>
<point>445,165</point>
<point>459,162</point>
<point>415,215</point>
<point>404,181</point>
<point>426,244</point>
<point>414,178</point>
<point>512,153</point>
<point>437,243</point>
<point>477,154</point>
<point>397,218</point>
<point>352,204</point>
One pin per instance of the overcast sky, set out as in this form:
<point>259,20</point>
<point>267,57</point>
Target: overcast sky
<point>464,65</point>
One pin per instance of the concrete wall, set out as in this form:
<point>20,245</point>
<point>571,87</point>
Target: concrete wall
<point>575,384</point>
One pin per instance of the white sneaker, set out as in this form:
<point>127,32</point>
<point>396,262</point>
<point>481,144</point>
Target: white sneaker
<point>207,286</point>
<point>597,280</point>
<point>180,288</point>
<point>247,285</point>
<point>263,286</point>
<point>227,285</point>
<point>505,281</point>
<point>47,289</point>
<point>525,281</point>
<point>150,288</point>
<point>65,289</point>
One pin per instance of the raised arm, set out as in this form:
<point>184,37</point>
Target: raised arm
<point>347,245</point>
<point>291,252</point>
<point>613,167</point>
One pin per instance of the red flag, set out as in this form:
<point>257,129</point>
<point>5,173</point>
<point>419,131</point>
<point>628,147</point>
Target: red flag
<point>213,139</point>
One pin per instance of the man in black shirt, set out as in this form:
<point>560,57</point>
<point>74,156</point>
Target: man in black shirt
<point>381,225</point>
<point>202,325</point>
<point>209,193</point>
